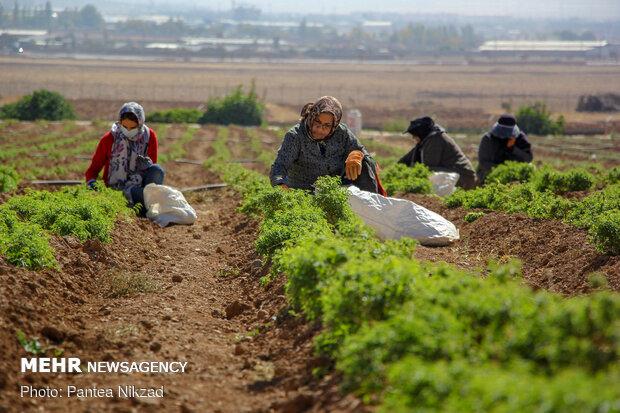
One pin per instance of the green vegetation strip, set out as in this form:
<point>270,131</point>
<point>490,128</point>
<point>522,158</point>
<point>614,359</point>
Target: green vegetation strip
<point>9,178</point>
<point>538,195</point>
<point>414,336</point>
<point>402,178</point>
<point>26,221</point>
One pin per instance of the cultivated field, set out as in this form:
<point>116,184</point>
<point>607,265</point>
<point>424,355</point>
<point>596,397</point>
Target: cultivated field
<point>282,301</point>
<point>460,96</point>
<point>214,295</point>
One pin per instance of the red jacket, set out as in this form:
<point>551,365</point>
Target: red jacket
<point>101,158</point>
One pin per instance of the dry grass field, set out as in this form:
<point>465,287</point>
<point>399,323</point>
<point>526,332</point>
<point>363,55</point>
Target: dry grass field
<point>459,95</point>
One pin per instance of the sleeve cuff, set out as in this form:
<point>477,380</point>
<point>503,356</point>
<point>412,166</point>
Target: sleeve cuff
<point>279,180</point>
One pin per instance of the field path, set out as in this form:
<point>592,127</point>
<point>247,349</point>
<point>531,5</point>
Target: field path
<point>244,353</point>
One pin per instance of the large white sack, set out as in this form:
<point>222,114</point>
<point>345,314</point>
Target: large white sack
<point>444,183</point>
<point>394,218</point>
<point>167,205</point>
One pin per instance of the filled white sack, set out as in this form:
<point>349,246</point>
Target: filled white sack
<point>167,205</point>
<point>444,183</point>
<point>394,218</point>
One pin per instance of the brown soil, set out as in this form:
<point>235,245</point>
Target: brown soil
<point>245,353</point>
<point>555,256</point>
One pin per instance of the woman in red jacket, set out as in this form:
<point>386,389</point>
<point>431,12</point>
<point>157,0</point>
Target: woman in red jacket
<point>128,156</point>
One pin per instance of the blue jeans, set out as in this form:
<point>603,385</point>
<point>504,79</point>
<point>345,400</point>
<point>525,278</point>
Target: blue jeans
<point>154,174</point>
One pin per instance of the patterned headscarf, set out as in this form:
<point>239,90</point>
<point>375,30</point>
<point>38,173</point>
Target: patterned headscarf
<point>326,104</point>
<point>123,172</point>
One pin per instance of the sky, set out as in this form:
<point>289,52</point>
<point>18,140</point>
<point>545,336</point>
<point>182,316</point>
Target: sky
<point>589,9</point>
<point>561,9</point>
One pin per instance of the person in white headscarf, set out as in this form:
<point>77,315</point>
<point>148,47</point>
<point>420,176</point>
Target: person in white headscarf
<point>128,156</point>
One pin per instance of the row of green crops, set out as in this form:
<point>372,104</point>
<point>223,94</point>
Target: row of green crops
<point>402,178</point>
<point>9,178</point>
<point>549,179</point>
<point>516,187</point>
<point>26,221</point>
<point>538,196</point>
<point>415,336</point>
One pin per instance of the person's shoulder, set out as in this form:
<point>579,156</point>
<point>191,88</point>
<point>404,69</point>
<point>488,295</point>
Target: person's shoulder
<point>294,134</point>
<point>438,135</point>
<point>523,136</point>
<point>342,130</point>
<point>486,137</point>
<point>294,130</point>
<point>107,137</point>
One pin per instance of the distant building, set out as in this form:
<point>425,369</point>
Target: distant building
<point>553,48</point>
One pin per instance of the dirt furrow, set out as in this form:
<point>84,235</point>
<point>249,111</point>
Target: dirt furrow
<point>182,293</point>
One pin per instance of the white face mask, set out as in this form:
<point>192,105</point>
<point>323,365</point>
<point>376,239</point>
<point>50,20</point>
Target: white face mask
<point>130,134</point>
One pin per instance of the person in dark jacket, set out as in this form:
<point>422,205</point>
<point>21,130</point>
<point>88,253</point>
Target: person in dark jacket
<point>504,142</point>
<point>438,151</point>
<point>320,145</point>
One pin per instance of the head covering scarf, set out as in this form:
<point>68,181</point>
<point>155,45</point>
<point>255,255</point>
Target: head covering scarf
<point>506,127</point>
<point>326,104</point>
<point>123,172</point>
<point>421,127</point>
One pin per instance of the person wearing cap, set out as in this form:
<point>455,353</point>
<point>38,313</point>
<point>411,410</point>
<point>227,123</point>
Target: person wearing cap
<point>438,151</point>
<point>504,142</point>
<point>127,153</point>
<point>320,145</point>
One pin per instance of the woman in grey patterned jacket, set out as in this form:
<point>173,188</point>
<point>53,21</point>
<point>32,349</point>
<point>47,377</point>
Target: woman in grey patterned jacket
<point>320,145</point>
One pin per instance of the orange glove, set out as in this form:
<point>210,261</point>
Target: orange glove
<point>511,142</point>
<point>353,165</point>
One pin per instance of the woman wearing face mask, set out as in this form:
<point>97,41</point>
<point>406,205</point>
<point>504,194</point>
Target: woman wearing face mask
<point>320,145</point>
<point>128,155</point>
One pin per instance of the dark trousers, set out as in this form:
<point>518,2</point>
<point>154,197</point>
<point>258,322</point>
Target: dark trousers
<point>154,174</point>
<point>367,181</point>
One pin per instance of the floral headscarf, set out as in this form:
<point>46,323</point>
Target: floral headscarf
<point>326,104</point>
<point>123,172</point>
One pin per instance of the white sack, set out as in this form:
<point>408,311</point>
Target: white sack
<point>167,205</point>
<point>394,218</point>
<point>444,183</point>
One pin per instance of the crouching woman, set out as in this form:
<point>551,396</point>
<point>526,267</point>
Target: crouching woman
<point>320,145</point>
<point>128,156</point>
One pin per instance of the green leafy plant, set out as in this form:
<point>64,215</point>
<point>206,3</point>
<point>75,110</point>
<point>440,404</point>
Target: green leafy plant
<point>26,221</point>
<point>236,108</point>
<point>473,216</point>
<point>536,119</point>
<point>511,171</point>
<point>605,232</point>
<point>9,178</point>
<point>562,182</point>
<point>402,178</point>
<point>42,104</point>
<point>30,345</point>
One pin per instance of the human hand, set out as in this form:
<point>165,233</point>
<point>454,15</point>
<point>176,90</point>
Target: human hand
<point>284,186</point>
<point>511,142</point>
<point>143,163</point>
<point>353,165</point>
